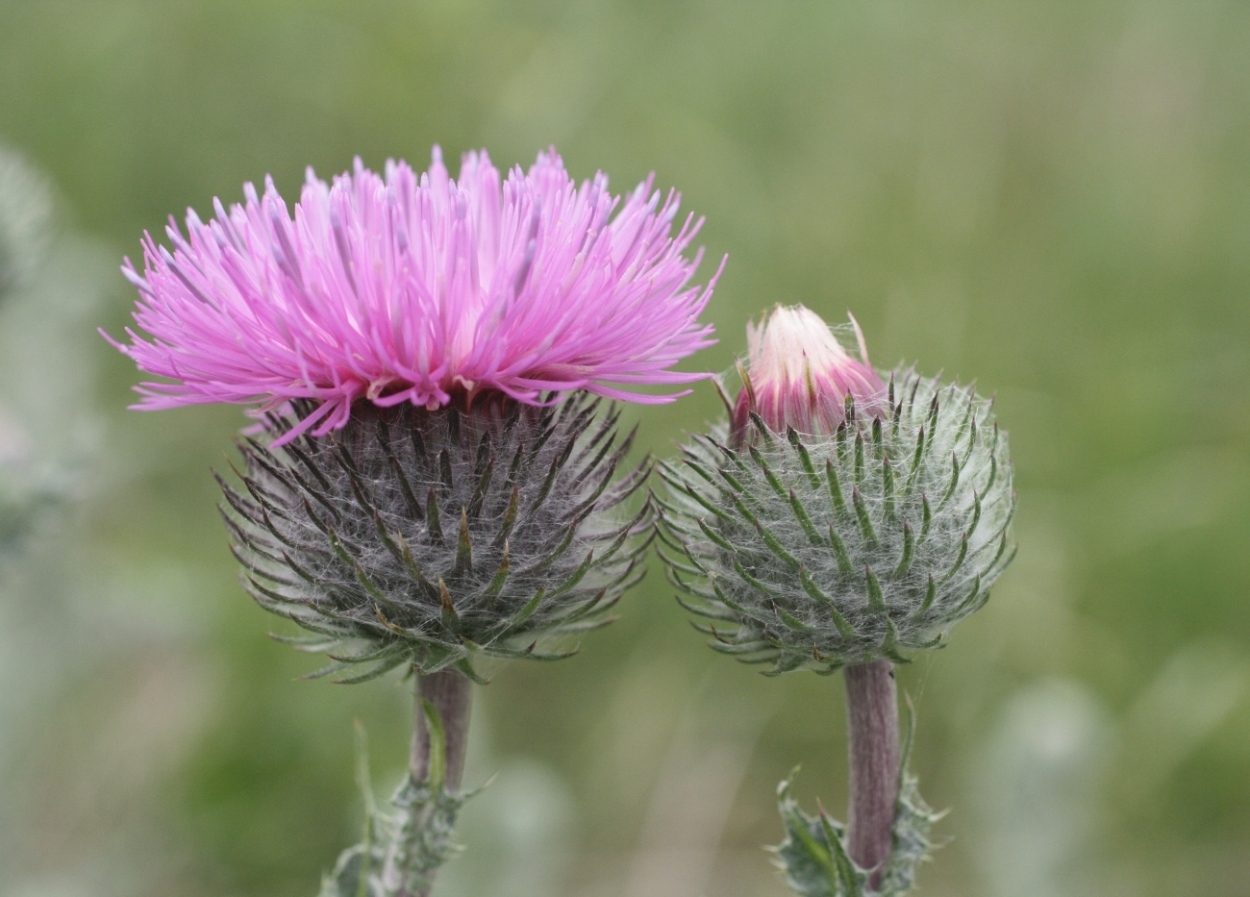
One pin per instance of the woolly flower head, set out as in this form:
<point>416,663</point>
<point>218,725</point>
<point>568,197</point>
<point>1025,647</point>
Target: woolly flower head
<point>407,288</point>
<point>844,517</point>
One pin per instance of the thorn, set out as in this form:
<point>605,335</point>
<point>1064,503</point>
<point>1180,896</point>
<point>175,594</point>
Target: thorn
<point>444,597</point>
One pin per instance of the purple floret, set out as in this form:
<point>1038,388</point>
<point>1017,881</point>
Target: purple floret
<point>421,289</point>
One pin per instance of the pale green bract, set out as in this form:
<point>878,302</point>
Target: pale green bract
<point>814,854</point>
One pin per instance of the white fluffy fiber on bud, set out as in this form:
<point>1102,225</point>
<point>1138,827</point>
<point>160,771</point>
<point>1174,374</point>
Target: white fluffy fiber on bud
<point>817,546</point>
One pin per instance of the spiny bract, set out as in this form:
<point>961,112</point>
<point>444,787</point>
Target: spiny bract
<point>426,537</point>
<point>818,551</point>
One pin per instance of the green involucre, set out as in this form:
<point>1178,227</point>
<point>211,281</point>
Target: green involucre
<point>428,537</point>
<point>812,551</point>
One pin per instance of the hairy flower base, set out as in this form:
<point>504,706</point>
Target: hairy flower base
<point>428,537</point>
<point>819,551</point>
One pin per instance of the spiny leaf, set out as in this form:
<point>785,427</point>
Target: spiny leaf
<point>509,518</point>
<point>715,538</point>
<point>450,618</point>
<point>405,487</point>
<point>929,596</point>
<point>887,482</point>
<point>917,459</point>
<point>805,458</point>
<point>496,584</point>
<point>444,462</point>
<point>950,489</point>
<point>775,546</point>
<point>771,477</point>
<point>486,471</point>
<point>752,581</point>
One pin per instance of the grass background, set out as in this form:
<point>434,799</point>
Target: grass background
<point>1053,198</point>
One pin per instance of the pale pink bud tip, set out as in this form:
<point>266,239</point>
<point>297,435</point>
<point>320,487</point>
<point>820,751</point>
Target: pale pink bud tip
<point>798,374</point>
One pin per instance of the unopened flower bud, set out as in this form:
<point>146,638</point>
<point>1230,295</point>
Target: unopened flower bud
<point>845,516</point>
<point>798,375</point>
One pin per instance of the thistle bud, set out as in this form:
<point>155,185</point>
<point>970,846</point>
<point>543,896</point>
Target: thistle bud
<point>845,516</point>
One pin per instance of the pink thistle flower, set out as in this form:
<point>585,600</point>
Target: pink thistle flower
<point>420,289</point>
<point>799,375</point>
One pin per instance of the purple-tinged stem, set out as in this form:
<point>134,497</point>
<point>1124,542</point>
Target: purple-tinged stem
<point>872,718</point>
<point>451,695</point>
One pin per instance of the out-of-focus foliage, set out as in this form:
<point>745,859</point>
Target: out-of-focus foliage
<point>25,225</point>
<point>1052,198</point>
<point>25,220</point>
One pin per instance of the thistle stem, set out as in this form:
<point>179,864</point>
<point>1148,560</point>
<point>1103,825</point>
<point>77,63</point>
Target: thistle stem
<point>872,718</point>
<point>451,695</point>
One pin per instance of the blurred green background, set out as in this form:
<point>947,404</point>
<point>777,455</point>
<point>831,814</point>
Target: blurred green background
<point>1053,198</point>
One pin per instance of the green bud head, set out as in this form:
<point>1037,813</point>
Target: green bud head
<point>816,550</point>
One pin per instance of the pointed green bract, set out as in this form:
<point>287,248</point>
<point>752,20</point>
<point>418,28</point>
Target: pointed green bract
<point>519,530</point>
<point>827,549</point>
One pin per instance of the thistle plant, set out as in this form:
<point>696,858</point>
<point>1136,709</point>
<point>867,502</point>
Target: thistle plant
<point>432,480</point>
<point>841,519</point>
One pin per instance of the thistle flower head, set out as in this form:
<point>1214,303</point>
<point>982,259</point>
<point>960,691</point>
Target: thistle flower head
<point>414,289</point>
<point>799,375</point>
<point>435,484</point>
<point>834,546</point>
